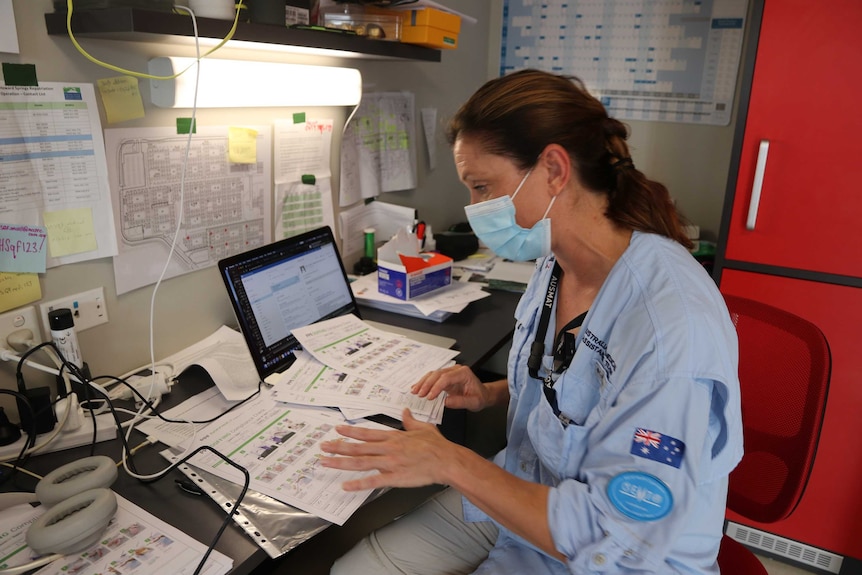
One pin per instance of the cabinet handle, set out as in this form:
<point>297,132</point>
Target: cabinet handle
<point>757,186</point>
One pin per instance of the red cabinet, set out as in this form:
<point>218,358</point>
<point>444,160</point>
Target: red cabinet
<point>802,98</point>
<point>806,102</point>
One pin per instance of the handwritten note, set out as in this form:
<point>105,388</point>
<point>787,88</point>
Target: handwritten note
<point>121,98</point>
<point>22,248</point>
<point>70,231</point>
<point>242,145</point>
<point>18,289</point>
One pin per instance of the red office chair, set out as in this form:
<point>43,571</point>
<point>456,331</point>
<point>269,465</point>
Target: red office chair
<point>784,368</point>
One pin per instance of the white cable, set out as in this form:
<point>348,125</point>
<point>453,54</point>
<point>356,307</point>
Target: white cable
<point>139,413</point>
<point>30,566</point>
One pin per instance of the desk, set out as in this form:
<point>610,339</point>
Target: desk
<point>481,330</point>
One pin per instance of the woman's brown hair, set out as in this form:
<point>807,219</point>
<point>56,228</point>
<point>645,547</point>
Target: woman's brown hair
<point>520,114</point>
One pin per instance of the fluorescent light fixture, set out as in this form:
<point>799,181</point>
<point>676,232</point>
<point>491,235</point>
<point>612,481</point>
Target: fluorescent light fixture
<point>250,84</point>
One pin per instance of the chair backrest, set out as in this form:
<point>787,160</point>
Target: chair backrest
<point>784,369</point>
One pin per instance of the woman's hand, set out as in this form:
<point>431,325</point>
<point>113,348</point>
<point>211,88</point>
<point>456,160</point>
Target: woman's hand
<point>463,389</point>
<point>414,457</point>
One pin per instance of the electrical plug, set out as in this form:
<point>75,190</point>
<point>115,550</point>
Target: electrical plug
<point>76,412</point>
<point>143,382</point>
<point>21,340</point>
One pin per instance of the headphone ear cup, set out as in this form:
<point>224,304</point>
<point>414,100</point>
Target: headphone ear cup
<point>76,477</point>
<point>74,524</point>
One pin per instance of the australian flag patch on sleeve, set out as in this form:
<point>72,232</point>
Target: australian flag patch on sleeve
<point>658,447</point>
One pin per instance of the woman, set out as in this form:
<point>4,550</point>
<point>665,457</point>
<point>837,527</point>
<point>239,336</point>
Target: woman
<point>623,399</point>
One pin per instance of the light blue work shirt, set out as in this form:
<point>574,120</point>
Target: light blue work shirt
<point>655,369</point>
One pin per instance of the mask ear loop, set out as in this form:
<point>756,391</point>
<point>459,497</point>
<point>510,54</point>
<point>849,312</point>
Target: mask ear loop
<point>521,185</point>
<point>549,207</point>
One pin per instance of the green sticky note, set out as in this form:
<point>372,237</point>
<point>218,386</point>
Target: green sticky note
<point>184,126</point>
<point>19,74</point>
<point>299,118</point>
<point>308,179</point>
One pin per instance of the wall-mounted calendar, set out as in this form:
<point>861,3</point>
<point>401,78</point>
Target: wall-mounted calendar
<point>662,60</point>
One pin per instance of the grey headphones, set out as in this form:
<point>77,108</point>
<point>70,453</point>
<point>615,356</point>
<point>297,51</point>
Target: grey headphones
<point>80,507</point>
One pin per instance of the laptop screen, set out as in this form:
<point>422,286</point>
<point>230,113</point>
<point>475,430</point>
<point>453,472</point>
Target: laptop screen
<point>287,284</point>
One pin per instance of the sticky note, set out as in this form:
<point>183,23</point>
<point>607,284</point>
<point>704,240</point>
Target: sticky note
<point>23,248</point>
<point>19,74</point>
<point>18,289</point>
<point>121,98</point>
<point>70,231</point>
<point>299,118</point>
<point>242,145</point>
<point>186,126</point>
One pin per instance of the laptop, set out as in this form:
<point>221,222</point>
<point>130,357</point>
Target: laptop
<point>292,283</point>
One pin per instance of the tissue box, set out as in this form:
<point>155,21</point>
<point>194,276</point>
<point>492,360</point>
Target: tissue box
<point>431,28</point>
<point>404,273</point>
<point>413,276</point>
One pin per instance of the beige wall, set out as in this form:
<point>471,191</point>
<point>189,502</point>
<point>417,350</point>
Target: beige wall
<point>691,160</point>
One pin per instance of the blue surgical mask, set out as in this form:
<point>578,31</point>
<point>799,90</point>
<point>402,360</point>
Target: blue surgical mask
<point>494,223</point>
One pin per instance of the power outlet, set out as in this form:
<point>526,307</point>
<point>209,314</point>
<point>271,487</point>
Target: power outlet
<point>23,318</point>
<point>88,309</point>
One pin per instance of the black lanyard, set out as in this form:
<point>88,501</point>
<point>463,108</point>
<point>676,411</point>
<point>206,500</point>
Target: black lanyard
<point>564,344</point>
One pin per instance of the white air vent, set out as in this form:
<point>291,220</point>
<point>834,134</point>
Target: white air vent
<point>776,545</point>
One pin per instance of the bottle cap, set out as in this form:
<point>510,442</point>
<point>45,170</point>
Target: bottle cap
<point>59,319</point>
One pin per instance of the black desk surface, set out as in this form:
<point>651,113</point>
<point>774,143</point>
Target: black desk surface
<point>483,328</point>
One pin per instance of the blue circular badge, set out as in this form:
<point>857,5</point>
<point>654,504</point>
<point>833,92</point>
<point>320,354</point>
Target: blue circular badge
<point>640,496</point>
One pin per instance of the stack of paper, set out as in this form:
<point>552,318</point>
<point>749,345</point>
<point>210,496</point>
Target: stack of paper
<point>510,276</point>
<point>366,372</point>
<point>436,306</point>
<point>309,382</point>
<point>481,262</point>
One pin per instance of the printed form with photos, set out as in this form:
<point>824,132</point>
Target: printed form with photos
<point>349,345</point>
<point>279,446</point>
<point>309,382</point>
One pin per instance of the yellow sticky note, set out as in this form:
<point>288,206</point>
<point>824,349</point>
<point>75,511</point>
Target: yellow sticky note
<point>242,145</point>
<point>70,231</point>
<point>18,289</point>
<point>121,98</point>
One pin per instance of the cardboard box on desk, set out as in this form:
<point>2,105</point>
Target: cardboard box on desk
<point>404,273</point>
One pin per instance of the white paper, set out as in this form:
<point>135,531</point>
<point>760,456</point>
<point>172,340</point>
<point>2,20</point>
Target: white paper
<point>279,445</point>
<point>429,124</point>
<point>201,407</point>
<point>302,207</point>
<point>14,522</point>
<point>309,382</point>
<point>519,272</point>
<point>135,542</point>
<point>378,149</point>
<point>452,298</point>
<point>227,205</point>
<point>8,32</point>
<point>386,219</point>
<point>350,345</point>
<point>303,178</point>
<point>224,354</point>
<point>52,159</point>
<point>302,148</point>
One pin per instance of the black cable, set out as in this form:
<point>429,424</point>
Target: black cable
<point>31,433</point>
<point>231,513</point>
<point>74,370</point>
<point>155,411</point>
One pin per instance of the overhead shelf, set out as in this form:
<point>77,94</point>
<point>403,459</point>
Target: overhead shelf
<point>132,24</point>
